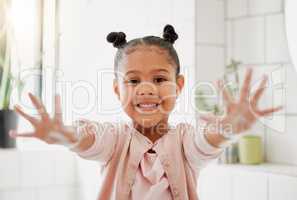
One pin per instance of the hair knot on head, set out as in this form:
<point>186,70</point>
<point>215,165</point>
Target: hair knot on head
<point>117,38</point>
<point>169,34</point>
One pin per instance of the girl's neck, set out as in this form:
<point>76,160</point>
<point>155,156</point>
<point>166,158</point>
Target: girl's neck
<point>155,132</point>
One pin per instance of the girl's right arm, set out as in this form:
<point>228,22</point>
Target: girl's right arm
<point>49,130</point>
<point>87,138</point>
<point>97,140</point>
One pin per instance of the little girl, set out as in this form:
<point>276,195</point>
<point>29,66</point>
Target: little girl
<point>147,158</point>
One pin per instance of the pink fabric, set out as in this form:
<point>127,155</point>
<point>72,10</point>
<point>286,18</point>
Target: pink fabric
<point>151,181</point>
<point>129,172</point>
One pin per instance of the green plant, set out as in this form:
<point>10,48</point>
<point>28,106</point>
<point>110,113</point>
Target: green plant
<point>231,72</point>
<point>7,80</point>
<point>230,76</point>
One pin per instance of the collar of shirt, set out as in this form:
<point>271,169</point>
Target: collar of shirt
<point>145,142</point>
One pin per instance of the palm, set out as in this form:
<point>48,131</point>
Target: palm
<point>241,114</point>
<point>50,130</point>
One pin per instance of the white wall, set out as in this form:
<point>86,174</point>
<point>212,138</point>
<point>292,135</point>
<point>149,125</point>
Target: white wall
<point>85,51</point>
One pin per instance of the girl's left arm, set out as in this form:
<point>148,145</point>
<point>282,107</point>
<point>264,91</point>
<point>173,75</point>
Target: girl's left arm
<point>240,115</point>
<point>206,143</point>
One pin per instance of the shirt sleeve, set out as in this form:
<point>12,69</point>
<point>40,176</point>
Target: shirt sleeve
<point>198,151</point>
<point>106,136</point>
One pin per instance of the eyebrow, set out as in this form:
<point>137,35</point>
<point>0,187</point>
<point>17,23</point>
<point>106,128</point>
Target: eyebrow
<point>156,70</point>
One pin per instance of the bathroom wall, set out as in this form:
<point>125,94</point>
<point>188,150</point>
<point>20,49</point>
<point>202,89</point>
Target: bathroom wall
<point>252,32</point>
<point>209,46</point>
<point>255,35</point>
<point>92,69</point>
<point>210,40</point>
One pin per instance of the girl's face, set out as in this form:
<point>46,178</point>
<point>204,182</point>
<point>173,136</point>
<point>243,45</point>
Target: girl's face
<point>147,85</point>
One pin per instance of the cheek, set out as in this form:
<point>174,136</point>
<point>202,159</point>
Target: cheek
<point>168,95</point>
<point>126,96</point>
<point>168,90</point>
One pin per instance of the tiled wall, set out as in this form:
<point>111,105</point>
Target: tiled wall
<point>255,35</point>
<point>56,173</point>
<point>253,32</point>
<point>210,39</point>
<point>210,42</point>
<point>233,182</point>
<point>38,175</point>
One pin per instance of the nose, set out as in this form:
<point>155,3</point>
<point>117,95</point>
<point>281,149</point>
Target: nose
<point>146,88</point>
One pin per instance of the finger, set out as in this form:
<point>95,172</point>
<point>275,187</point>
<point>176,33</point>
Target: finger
<point>228,98</point>
<point>14,134</point>
<point>259,92</point>
<point>269,111</point>
<point>39,106</point>
<point>58,109</point>
<point>246,85</point>
<point>31,119</point>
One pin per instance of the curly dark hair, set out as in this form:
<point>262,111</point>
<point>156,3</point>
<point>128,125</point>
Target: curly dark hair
<point>118,39</point>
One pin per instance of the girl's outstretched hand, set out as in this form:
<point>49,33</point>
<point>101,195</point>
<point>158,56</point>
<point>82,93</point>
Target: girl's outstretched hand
<point>49,130</point>
<point>241,114</point>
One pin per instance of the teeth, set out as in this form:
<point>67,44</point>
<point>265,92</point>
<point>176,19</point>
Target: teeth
<point>147,105</point>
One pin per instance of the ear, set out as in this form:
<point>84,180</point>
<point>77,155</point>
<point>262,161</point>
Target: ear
<point>116,88</point>
<point>180,80</point>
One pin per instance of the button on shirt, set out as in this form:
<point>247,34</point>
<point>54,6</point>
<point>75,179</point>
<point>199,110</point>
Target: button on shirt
<point>129,171</point>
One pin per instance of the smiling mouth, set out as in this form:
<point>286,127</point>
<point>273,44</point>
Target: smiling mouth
<point>147,106</point>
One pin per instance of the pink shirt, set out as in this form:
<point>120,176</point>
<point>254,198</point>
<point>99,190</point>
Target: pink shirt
<point>151,181</point>
<point>130,172</point>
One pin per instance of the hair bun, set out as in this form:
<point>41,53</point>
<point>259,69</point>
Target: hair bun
<point>117,38</point>
<point>169,34</point>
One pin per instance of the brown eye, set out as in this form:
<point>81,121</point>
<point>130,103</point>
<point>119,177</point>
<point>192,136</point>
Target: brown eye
<point>133,81</point>
<point>160,80</point>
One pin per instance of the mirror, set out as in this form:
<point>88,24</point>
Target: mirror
<point>291,29</point>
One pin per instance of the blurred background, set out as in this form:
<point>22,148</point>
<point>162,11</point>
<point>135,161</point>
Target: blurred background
<point>60,46</point>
